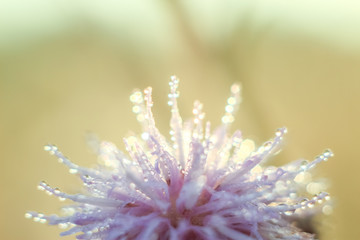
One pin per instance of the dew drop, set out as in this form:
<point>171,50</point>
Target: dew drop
<point>145,136</point>
<point>304,164</point>
<point>47,147</point>
<point>327,197</point>
<point>327,209</point>
<point>57,191</point>
<point>235,88</point>
<point>63,225</point>
<point>267,145</point>
<point>136,109</point>
<point>140,117</point>
<point>293,195</point>
<point>73,171</point>
<point>327,154</point>
<point>304,201</point>
<point>230,118</point>
<point>43,220</point>
<point>288,213</point>
<point>132,186</point>
<point>231,100</point>
<point>136,97</point>
<point>229,108</point>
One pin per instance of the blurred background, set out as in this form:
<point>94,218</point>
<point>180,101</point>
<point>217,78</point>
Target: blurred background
<point>68,67</point>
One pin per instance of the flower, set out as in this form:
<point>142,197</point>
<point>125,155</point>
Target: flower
<point>202,184</point>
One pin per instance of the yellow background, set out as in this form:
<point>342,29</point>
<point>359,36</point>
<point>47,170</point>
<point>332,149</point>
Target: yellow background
<point>68,67</point>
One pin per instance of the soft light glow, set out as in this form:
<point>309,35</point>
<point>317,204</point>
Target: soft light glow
<point>203,184</point>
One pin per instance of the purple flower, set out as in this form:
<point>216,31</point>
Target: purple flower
<point>202,184</point>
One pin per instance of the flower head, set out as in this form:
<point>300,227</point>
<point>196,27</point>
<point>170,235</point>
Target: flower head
<point>202,184</point>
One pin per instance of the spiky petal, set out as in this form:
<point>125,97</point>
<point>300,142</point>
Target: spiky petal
<point>202,184</point>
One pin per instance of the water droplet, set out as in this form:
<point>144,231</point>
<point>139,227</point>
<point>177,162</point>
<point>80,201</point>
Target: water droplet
<point>327,209</point>
<point>267,145</point>
<point>304,201</point>
<point>145,136</point>
<point>327,197</point>
<point>231,100</point>
<point>28,215</point>
<point>235,88</point>
<point>327,154</point>
<point>73,170</point>
<point>63,225</point>
<point>132,186</point>
<point>51,149</point>
<point>289,213</point>
<point>136,97</point>
<point>280,171</point>
<point>136,109</point>
<point>229,108</point>
<point>47,147</point>
<point>140,117</point>
<point>310,205</point>
<point>57,191</point>
<point>230,118</point>
<point>293,195</point>
<point>304,164</point>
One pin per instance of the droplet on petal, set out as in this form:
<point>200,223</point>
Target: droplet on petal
<point>203,184</point>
